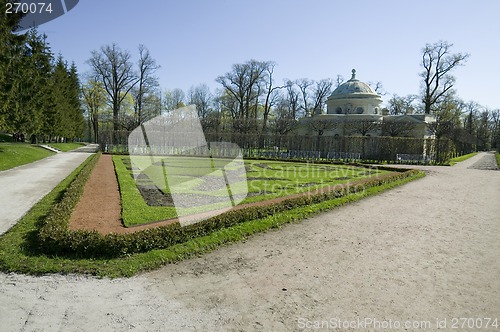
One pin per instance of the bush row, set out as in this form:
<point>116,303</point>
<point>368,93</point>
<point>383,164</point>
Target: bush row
<point>56,238</point>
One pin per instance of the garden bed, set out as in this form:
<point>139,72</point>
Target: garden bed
<point>148,198</point>
<point>100,207</point>
<point>56,237</point>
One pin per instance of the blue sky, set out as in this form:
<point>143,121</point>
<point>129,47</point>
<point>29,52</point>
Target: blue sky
<point>196,40</point>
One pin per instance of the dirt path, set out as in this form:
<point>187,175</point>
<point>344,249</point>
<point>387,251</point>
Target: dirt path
<point>100,201</point>
<point>425,251</point>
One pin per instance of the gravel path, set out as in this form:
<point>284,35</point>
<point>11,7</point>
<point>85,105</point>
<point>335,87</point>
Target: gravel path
<point>424,251</point>
<point>23,186</point>
<point>486,162</point>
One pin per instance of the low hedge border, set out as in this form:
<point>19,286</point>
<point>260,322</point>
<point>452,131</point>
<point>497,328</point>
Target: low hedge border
<point>55,238</point>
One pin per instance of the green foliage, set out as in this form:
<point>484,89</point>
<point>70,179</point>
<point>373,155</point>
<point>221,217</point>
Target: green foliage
<point>6,138</point>
<point>17,154</point>
<point>64,118</point>
<point>497,155</point>
<point>37,96</point>
<point>10,58</point>
<point>94,100</point>
<point>54,229</point>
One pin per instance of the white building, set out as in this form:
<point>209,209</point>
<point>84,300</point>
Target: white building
<point>354,97</point>
<point>354,109</point>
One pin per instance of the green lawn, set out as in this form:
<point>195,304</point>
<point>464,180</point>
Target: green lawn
<point>497,155</point>
<point>65,147</point>
<point>464,157</point>
<point>264,180</point>
<point>16,154</point>
<point>19,250</point>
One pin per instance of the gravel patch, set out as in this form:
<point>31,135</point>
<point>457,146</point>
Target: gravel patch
<point>486,162</point>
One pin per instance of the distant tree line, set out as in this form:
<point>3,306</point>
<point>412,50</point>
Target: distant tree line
<point>39,93</point>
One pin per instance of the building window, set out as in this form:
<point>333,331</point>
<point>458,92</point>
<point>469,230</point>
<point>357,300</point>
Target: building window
<point>359,110</point>
<point>338,110</point>
<point>376,110</point>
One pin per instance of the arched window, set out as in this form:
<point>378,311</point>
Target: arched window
<point>338,110</point>
<point>359,110</point>
<point>376,110</point>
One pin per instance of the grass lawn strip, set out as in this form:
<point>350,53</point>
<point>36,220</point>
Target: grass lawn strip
<point>455,160</point>
<point>65,147</point>
<point>19,251</point>
<point>17,154</point>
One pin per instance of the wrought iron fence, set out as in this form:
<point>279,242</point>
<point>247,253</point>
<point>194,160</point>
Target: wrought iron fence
<point>302,147</point>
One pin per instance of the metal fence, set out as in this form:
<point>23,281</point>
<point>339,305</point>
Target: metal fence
<point>299,147</point>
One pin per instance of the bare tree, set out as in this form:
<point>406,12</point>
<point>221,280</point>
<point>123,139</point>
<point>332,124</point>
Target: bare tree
<point>448,116</point>
<point>339,80</point>
<point>495,129</point>
<point>270,94</point>
<point>147,84</point>
<point>401,105</point>
<point>322,90</point>
<point>304,85</point>
<point>320,126</point>
<point>483,130</point>
<point>94,100</point>
<point>378,88</point>
<point>292,99</point>
<point>114,69</point>
<point>201,97</point>
<point>174,99</point>
<point>362,127</point>
<point>438,62</point>
<point>470,121</point>
<point>284,120</point>
<point>397,128</point>
<point>284,126</point>
<point>243,84</point>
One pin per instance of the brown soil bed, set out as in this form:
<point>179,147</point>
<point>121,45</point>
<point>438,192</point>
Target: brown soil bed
<point>99,207</point>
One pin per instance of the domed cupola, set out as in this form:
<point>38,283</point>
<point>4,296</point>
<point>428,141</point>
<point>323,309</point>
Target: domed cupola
<point>353,97</point>
<point>353,86</point>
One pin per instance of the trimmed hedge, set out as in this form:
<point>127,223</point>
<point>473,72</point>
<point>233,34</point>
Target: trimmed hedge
<point>55,238</point>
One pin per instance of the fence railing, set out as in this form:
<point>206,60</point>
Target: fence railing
<point>375,148</point>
